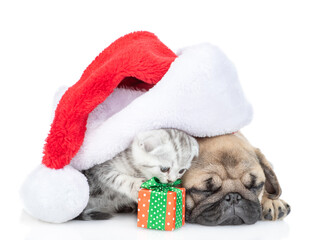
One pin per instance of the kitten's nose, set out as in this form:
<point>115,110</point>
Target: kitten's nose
<point>170,181</point>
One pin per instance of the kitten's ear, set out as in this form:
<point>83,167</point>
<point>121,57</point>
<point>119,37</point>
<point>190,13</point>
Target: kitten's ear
<point>150,140</point>
<point>194,147</point>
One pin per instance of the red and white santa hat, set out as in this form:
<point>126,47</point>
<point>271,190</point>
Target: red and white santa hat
<point>135,84</point>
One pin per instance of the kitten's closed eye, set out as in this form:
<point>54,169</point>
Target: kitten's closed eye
<point>182,171</point>
<point>164,169</point>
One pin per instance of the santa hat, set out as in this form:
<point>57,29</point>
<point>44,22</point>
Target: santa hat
<point>135,84</point>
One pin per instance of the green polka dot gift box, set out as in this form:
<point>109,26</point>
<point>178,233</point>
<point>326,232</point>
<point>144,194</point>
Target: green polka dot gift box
<point>161,206</point>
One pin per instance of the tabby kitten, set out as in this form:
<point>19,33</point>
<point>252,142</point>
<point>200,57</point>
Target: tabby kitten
<point>114,184</point>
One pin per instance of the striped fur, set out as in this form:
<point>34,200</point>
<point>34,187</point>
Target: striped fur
<point>114,184</point>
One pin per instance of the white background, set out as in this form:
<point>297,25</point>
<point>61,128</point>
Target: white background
<point>285,53</point>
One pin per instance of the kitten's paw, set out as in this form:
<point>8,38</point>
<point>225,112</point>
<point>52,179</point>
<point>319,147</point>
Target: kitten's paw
<point>136,187</point>
<point>93,215</point>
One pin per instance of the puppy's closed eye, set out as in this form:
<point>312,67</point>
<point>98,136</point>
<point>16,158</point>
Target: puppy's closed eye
<point>254,185</point>
<point>208,187</point>
<point>257,187</point>
<point>211,186</point>
<point>252,181</point>
<point>208,184</point>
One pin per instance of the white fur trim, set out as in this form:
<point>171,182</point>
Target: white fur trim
<point>199,94</point>
<point>55,195</point>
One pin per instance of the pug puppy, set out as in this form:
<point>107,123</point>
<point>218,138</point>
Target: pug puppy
<point>231,183</point>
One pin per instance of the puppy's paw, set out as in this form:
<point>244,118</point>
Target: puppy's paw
<point>274,209</point>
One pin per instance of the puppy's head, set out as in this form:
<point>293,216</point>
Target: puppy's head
<point>226,182</point>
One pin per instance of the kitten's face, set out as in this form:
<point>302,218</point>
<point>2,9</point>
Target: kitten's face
<point>165,154</point>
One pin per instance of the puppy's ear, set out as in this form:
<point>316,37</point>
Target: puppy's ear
<point>272,186</point>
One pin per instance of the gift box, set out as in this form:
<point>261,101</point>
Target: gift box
<point>161,206</point>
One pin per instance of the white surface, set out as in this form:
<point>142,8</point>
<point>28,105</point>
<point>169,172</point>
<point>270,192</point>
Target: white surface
<point>285,56</point>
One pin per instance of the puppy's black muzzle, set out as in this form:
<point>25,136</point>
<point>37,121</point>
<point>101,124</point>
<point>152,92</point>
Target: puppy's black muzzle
<point>232,209</point>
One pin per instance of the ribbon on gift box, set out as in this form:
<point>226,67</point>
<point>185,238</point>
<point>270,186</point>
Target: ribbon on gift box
<point>159,204</point>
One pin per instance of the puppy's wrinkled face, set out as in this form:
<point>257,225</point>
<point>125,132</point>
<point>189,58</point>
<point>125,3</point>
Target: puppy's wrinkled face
<point>226,182</point>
